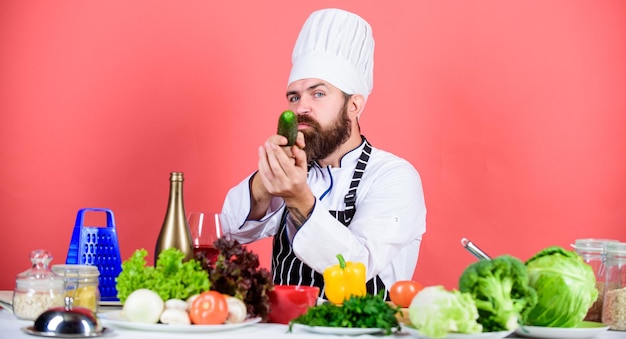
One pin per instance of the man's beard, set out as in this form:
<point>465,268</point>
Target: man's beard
<point>321,142</point>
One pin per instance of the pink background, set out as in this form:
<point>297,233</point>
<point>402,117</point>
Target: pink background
<point>514,113</point>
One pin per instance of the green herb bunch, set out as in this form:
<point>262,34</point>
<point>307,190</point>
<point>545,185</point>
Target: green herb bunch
<point>368,311</point>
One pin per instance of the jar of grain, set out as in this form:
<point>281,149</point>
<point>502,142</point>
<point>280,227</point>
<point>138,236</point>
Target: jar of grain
<point>38,288</point>
<point>614,307</point>
<point>593,252</point>
<point>81,284</point>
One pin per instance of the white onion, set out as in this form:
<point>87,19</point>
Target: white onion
<point>143,306</point>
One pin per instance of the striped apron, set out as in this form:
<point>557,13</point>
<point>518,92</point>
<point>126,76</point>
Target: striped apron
<point>288,269</point>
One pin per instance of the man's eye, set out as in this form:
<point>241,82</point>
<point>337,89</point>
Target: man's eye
<point>318,94</point>
<point>293,98</point>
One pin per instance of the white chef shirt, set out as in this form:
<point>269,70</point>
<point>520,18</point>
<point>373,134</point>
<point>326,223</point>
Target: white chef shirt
<point>384,234</point>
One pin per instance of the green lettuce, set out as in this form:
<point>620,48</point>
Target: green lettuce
<point>565,285</point>
<point>435,312</point>
<point>171,278</point>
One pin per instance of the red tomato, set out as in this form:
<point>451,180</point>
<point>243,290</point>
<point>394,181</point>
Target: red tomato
<point>403,291</point>
<point>209,308</point>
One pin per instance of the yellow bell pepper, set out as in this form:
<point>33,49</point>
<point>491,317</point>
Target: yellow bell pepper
<point>344,280</point>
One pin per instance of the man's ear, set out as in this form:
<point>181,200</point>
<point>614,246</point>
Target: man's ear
<point>356,105</point>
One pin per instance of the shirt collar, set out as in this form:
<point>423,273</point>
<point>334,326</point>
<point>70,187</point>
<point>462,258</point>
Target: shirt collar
<point>348,159</point>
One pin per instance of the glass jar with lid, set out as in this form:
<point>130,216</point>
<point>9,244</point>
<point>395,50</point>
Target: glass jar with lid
<point>38,288</point>
<point>81,284</point>
<point>613,311</point>
<point>593,252</point>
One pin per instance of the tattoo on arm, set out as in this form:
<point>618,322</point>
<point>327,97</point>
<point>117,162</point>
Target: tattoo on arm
<point>297,217</point>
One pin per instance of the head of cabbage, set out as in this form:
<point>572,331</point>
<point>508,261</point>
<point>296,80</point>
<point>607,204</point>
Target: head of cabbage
<point>565,285</point>
<point>435,312</point>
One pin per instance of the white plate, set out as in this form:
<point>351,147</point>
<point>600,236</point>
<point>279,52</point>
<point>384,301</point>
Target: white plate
<point>114,318</point>
<point>338,330</point>
<point>586,329</point>
<point>484,335</point>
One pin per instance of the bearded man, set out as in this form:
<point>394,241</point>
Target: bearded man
<point>332,192</point>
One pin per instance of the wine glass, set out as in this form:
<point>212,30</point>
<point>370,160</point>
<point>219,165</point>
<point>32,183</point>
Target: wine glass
<point>205,229</point>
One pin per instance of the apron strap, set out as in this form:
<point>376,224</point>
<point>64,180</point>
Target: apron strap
<point>350,198</point>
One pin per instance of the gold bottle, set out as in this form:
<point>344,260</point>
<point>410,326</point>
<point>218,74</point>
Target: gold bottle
<point>175,229</point>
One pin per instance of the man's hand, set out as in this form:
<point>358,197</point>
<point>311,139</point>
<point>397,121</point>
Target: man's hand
<point>282,169</point>
<point>282,173</point>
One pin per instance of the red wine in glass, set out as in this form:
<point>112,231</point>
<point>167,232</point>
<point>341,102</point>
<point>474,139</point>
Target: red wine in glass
<point>208,253</point>
<point>204,233</point>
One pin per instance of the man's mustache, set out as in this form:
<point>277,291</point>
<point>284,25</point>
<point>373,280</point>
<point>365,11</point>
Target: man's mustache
<point>305,119</point>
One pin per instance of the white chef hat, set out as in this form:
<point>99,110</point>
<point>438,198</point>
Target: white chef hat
<point>338,47</point>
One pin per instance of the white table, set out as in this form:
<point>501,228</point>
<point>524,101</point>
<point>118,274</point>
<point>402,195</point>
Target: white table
<point>10,327</point>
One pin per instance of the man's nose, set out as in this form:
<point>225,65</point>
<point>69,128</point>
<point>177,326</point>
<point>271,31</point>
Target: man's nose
<point>302,107</point>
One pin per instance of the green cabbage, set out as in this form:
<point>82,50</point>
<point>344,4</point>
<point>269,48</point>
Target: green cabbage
<point>435,312</point>
<point>565,285</point>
